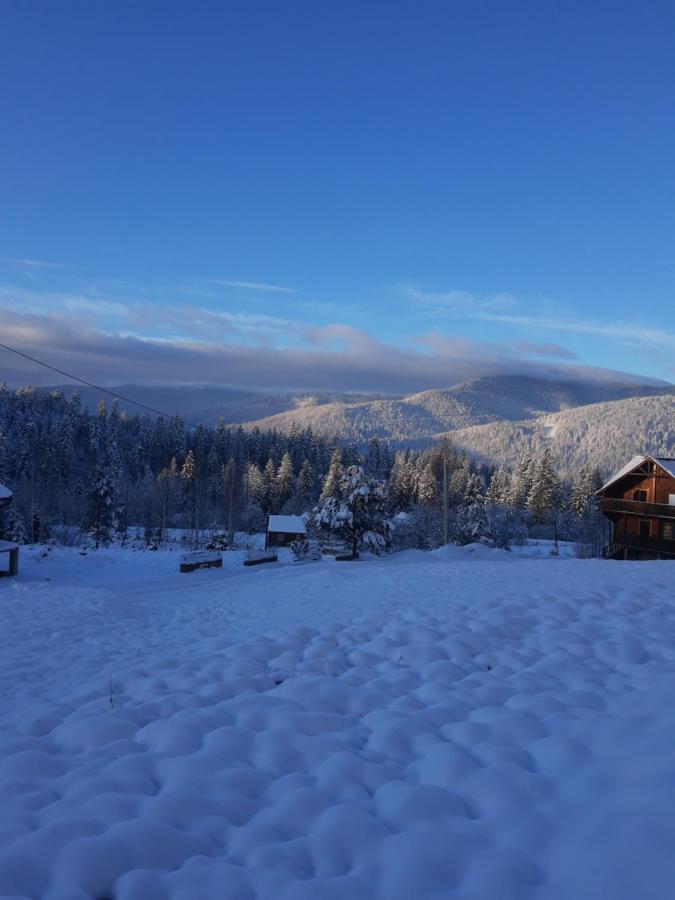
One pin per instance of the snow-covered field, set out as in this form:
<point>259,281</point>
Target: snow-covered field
<point>463,724</point>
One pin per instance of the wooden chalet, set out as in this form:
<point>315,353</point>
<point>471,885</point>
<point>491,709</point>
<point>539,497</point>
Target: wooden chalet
<point>640,502</point>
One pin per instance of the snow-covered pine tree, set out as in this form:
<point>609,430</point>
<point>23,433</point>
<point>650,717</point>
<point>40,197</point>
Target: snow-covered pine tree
<point>304,487</point>
<point>331,483</point>
<point>269,499</point>
<point>544,498</point>
<point>359,514</point>
<point>472,521</point>
<point>285,481</point>
<point>499,490</point>
<point>426,489</point>
<point>521,483</point>
<point>188,478</point>
<point>400,493</point>
<point>373,458</point>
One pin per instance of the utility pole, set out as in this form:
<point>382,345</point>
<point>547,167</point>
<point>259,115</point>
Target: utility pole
<point>445,500</point>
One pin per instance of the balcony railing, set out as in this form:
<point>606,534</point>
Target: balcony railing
<point>637,541</point>
<point>638,508</point>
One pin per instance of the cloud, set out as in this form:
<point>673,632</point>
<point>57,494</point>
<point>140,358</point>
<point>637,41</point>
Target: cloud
<point>32,263</point>
<point>458,300</point>
<point>627,332</point>
<point>251,286</point>
<point>546,350</point>
<point>494,308</point>
<point>336,357</point>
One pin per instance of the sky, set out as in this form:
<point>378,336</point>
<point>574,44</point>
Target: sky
<point>362,196</point>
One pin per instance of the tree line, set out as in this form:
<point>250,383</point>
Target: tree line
<point>103,474</point>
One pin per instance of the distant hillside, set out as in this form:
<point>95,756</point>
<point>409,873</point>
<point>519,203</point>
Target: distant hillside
<point>417,418</point>
<point>209,405</point>
<point>603,434</point>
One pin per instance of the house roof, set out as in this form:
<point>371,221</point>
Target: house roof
<point>287,524</point>
<point>666,463</point>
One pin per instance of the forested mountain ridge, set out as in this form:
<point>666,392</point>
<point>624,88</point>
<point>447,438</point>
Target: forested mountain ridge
<point>209,405</point>
<point>418,418</point>
<point>600,434</point>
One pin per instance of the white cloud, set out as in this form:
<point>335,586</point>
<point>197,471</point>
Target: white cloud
<point>626,332</point>
<point>32,263</point>
<point>458,300</point>
<point>494,308</point>
<point>252,286</point>
<point>336,357</point>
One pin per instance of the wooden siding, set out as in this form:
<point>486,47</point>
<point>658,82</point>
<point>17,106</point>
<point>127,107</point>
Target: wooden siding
<point>645,526</point>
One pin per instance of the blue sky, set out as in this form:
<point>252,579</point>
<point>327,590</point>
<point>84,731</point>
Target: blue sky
<point>373,196</point>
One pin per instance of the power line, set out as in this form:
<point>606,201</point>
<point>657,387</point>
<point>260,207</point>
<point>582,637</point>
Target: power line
<point>98,387</point>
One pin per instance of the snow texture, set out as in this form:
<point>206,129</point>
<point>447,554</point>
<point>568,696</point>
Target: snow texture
<point>5,493</point>
<point>465,723</point>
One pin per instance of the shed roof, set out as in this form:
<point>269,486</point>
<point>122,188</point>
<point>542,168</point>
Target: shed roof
<point>666,463</point>
<point>286,524</point>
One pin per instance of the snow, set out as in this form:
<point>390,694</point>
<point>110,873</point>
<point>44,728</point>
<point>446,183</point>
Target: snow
<point>5,493</point>
<point>287,524</point>
<point>465,723</point>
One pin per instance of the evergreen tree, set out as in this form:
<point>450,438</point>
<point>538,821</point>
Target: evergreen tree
<point>499,490</point>
<point>188,478</point>
<point>521,483</point>
<point>359,515</point>
<point>331,483</point>
<point>269,499</point>
<point>544,498</point>
<point>167,489</point>
<point>231,495</point>
<point>426,488</point>
<point>472,521</point>
<point>285,481</point>
<point>305,486</point>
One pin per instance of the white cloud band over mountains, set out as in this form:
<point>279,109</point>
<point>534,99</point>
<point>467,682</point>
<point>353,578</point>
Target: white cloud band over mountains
<point>262,352</point>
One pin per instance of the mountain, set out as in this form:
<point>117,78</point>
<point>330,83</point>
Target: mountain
<point>602,434</point>
<point>418,418</point>
<point>207,405</point>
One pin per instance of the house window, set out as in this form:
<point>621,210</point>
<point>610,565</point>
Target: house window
<point>668,531</point>
<point>640,495</point>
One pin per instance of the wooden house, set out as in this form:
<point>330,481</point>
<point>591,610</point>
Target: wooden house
<point>639,500</point>
<point>283,530</point>
<point>8,547</point>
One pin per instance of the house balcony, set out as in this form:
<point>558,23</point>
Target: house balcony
<point>623,540</point>
<point>611,505</point>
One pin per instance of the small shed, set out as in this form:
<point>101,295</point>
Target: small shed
<point>283,530</point>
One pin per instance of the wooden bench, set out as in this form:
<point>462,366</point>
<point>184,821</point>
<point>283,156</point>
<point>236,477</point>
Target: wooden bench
<point>13,551</point>
<point>257,557</point>
<point>200,559</point>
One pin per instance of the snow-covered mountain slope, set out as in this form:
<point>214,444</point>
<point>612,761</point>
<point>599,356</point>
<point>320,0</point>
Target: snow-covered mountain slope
<point>454,724</point>
<point>209,404</point>
<point>418,417</point>
<point>603,434</point>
